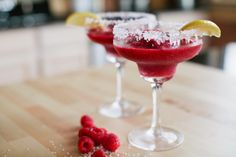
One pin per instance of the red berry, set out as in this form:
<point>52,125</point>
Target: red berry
<point>104,130</point>
<point>86,121</point>
<point>99,153</point>
<point>84,132</point>
<point>85,144</point>
<point>111,142</point>
<point>96,134</point>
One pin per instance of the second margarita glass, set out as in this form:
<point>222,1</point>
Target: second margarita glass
<point>104,35</point>
<point>157,51</point>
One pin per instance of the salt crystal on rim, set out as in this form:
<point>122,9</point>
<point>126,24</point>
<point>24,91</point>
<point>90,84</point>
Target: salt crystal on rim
<point>160,32</point>
<point>123,15</point>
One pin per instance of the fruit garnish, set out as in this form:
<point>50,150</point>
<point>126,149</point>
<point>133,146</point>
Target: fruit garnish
<point>83,19</point>
<point>85,144</point>
<point>96,134</point>
<point>86,121</point>
<point>206,27</point>
<point>95,141</point>
<point>99,153</point>
<point>111,142</point>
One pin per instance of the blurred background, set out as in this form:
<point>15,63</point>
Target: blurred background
<point>34,42</point>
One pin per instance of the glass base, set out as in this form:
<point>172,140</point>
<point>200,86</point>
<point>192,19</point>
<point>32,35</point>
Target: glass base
<point>119,109</point>
<point>146,139</point>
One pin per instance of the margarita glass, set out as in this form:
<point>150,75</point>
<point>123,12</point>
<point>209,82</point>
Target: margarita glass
<point>104,35</point>
<point>157,51</point>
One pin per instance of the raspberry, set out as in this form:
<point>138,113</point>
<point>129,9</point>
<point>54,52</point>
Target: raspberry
<point>96,134</point>
<point>84,132</point>
<point>111,142</point>
<point>85,144</point>
<point>86,121</point>
<point>104,130</point>
<point>99,153</point>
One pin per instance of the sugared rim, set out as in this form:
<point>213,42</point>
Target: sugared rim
<point>139,15</point>
<point>195,43</point>
<point>134,15</point>
<point>160,32</point>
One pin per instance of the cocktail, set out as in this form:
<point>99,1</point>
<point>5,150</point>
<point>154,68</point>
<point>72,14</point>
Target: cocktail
<point>100,30</point>
<point>157,51</point>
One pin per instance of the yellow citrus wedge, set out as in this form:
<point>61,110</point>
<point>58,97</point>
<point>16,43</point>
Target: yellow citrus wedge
<point>83,19</point>
<point>207,27</point>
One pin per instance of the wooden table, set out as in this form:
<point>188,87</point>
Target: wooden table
<point>41,118</point>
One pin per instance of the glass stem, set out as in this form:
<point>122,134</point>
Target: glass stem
<point>119,73</point>
<point>155,123</point>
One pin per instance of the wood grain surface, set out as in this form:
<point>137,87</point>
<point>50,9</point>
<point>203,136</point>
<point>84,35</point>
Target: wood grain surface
<point>41,118</point>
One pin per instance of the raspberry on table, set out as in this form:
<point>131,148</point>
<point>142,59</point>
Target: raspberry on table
<point>84,132</point>
<point>99,153</point>
<point>96,134</point>
<point>104,130</point>
<point>111,142</point>
<point>91,136</point>
<point>85,144</point>
<point>86,121</point>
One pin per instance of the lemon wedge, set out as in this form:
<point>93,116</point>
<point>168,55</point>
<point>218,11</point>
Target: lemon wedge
<point>83,19</point>
<point>207,27</point>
